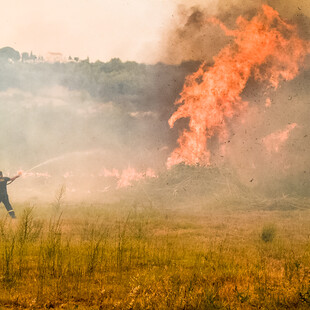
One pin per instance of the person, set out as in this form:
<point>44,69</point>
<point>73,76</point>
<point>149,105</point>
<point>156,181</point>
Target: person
<point>4,194</point>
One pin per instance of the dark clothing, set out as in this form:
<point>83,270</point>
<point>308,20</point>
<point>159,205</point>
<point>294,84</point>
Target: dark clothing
<point>3,183</point>
<point>4,196</point>
<point>6,202</point>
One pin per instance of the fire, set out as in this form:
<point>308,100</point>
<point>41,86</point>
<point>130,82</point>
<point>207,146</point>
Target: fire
<point>111,173</point>
<point>275,140</point>
<point>265,47</point>
<point>127,176</point>
<point>268,103</point>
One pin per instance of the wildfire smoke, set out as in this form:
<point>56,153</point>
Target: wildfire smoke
<point>266,48</point>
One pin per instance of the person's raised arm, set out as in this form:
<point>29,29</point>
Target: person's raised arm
<point>14,178</point>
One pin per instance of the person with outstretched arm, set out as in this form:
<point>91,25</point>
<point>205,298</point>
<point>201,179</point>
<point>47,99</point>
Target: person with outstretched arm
<point>4,194</point>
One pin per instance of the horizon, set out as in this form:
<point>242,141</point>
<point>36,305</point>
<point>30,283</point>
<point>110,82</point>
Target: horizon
<point>95,29</point>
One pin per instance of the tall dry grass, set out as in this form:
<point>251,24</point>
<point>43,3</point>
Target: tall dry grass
<point>123,256</point>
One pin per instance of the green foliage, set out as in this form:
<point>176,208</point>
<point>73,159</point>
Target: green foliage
<point>9,53</point>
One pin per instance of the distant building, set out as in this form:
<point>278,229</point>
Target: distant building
<point>55,57</point>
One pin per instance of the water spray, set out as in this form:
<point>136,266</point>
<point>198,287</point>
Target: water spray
<point>61,157</point>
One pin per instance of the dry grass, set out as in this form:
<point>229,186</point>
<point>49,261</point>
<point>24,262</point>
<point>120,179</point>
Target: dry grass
<point>122,256</point>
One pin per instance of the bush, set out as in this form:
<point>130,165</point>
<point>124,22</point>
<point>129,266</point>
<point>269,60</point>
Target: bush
<point>268,233</point>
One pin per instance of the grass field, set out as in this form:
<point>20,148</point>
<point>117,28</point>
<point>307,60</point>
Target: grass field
<point>136,256</point>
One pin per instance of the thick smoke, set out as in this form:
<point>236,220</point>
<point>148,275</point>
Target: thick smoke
<point>192,38</point>
<point>276,165</point>
<point>77,121</point>
<point>270,111</point>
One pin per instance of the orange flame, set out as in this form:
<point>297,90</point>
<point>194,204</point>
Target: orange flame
<point>275,140</point>
<point>127,176</point>
<point>266,47</point>
<point>268,103</point>
<point>130,174</point>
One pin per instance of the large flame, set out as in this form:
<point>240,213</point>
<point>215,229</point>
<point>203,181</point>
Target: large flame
<point>267,48</point>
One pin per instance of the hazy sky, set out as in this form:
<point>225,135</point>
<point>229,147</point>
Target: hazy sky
<point>100,29</point>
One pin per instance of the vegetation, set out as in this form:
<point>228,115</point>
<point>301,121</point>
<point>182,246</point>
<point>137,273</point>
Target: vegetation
<point>121,256</point>
<point>268,233</point>
<point>127,83</point>
<point>193,238</point>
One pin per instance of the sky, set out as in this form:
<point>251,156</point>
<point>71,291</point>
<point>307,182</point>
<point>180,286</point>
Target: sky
<point>98,29</point>
<point>103,29</point>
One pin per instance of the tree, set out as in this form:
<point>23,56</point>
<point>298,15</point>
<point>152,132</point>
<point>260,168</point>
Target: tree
<point>7,53</point>
<point>25,56</point>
